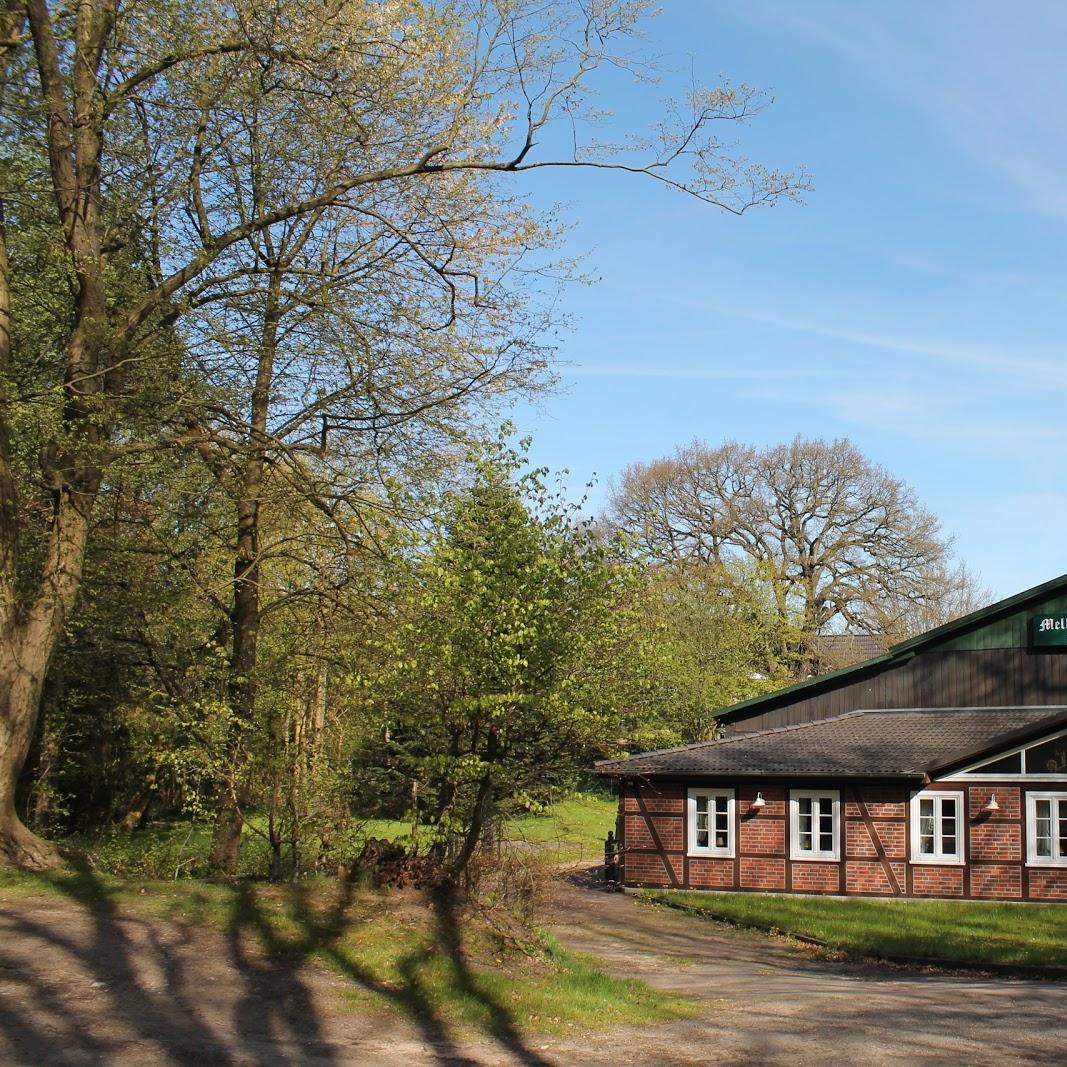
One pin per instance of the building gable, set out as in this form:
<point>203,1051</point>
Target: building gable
<point>985,659</point>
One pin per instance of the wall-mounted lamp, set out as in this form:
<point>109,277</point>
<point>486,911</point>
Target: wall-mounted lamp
<point>991,805</point>
<point>759,803</point>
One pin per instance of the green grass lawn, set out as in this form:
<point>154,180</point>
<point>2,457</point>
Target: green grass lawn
<point>1032,935</point>
<point>400,950</point>
<point>572,830</point>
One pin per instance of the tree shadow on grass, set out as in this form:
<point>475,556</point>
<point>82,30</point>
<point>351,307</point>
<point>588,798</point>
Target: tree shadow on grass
<point>100,984</point>
<point>321,934</point>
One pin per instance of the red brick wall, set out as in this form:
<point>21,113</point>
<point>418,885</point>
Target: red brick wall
<point>928,880</point>
<point>996,880</point>
<point>809,876</point>
<point>762,836</point>
<point>708,873</point>
<point>654,839</point>
<point>654,835</point>
<point>869,877</point>
<point>995,840</point>
<point>1048,883</point>
<point>760,873</point>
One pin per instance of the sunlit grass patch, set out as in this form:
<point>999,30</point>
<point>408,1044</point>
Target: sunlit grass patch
<point>573,829</point>
<point>1030,935</point>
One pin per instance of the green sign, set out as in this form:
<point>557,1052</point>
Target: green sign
<point>1048,631</point>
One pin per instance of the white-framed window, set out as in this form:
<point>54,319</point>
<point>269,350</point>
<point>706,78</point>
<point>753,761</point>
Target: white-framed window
<point>937,827</point>
<point>1046,829</point>
<point>815,823</point>
<point>711,822</point>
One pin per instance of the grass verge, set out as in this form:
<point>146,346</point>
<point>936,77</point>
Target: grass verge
<point>399,951</point>
<point>950,931</point>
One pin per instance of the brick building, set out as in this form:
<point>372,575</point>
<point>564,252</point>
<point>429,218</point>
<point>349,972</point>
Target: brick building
<point>848,785</point>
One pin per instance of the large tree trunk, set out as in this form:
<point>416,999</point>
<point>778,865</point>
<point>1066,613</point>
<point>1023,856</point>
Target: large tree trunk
<point>20,684</point>
<point>31,627</point>
<point>27,649</point>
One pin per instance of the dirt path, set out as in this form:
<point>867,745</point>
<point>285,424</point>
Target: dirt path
<point>86,984</point>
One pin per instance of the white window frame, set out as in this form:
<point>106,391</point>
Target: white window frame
<point>795,851</point>
<point>1032,858</point>
<point>942,859</point>
<point>711,792</point>
<point>973,771</point>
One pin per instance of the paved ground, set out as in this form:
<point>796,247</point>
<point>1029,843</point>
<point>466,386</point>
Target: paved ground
<point>89,985</point>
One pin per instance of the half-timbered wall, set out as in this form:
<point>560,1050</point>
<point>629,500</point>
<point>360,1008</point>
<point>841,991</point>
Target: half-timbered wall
<point>874,839</point>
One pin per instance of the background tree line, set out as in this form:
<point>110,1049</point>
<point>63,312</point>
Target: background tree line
<point>267,280</point>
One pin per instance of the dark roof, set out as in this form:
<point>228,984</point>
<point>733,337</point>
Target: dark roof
<point>898,653</point>
<point>909,743</point>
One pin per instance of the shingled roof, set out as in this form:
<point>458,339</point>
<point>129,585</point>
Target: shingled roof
<point>907,743</point>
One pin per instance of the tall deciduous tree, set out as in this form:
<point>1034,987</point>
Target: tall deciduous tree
<point>139,115</point>
<point>838,540</point>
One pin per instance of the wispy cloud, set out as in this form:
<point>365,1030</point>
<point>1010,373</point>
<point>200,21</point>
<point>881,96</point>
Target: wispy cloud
<point>1048,373</point>
<point>988,75</point>
<point>919,413</point>
<point>689,373</point>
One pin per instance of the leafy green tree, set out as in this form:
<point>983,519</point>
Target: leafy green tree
<point>717,640</point>
<point>488,677</point>
<point>836,540</point>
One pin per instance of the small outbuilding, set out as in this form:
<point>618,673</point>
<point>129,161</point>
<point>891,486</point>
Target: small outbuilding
<point>849,784</point>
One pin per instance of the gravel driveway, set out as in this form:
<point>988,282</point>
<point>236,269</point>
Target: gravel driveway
<point>771,1003</point>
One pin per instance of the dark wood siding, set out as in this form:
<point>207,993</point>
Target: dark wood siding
<point>1003,677</point>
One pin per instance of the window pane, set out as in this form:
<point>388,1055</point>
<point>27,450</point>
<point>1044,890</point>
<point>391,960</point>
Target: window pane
<point>805,824</point>
<point>1061,851</point>
<point>948,826</point>
<point>1048,758</point>
<point>702,838</point>
<point>702,804</point>
<point>926,825</point>
<point>1004,765</point>
<point>1043,827</point>
<point>826,841</point>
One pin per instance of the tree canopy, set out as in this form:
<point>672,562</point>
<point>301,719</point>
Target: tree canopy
<point>836,539</point>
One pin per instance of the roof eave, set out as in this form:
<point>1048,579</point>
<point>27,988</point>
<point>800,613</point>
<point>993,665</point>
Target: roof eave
<point>633,773</point>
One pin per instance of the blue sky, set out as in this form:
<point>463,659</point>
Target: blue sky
<point>914,302</point>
